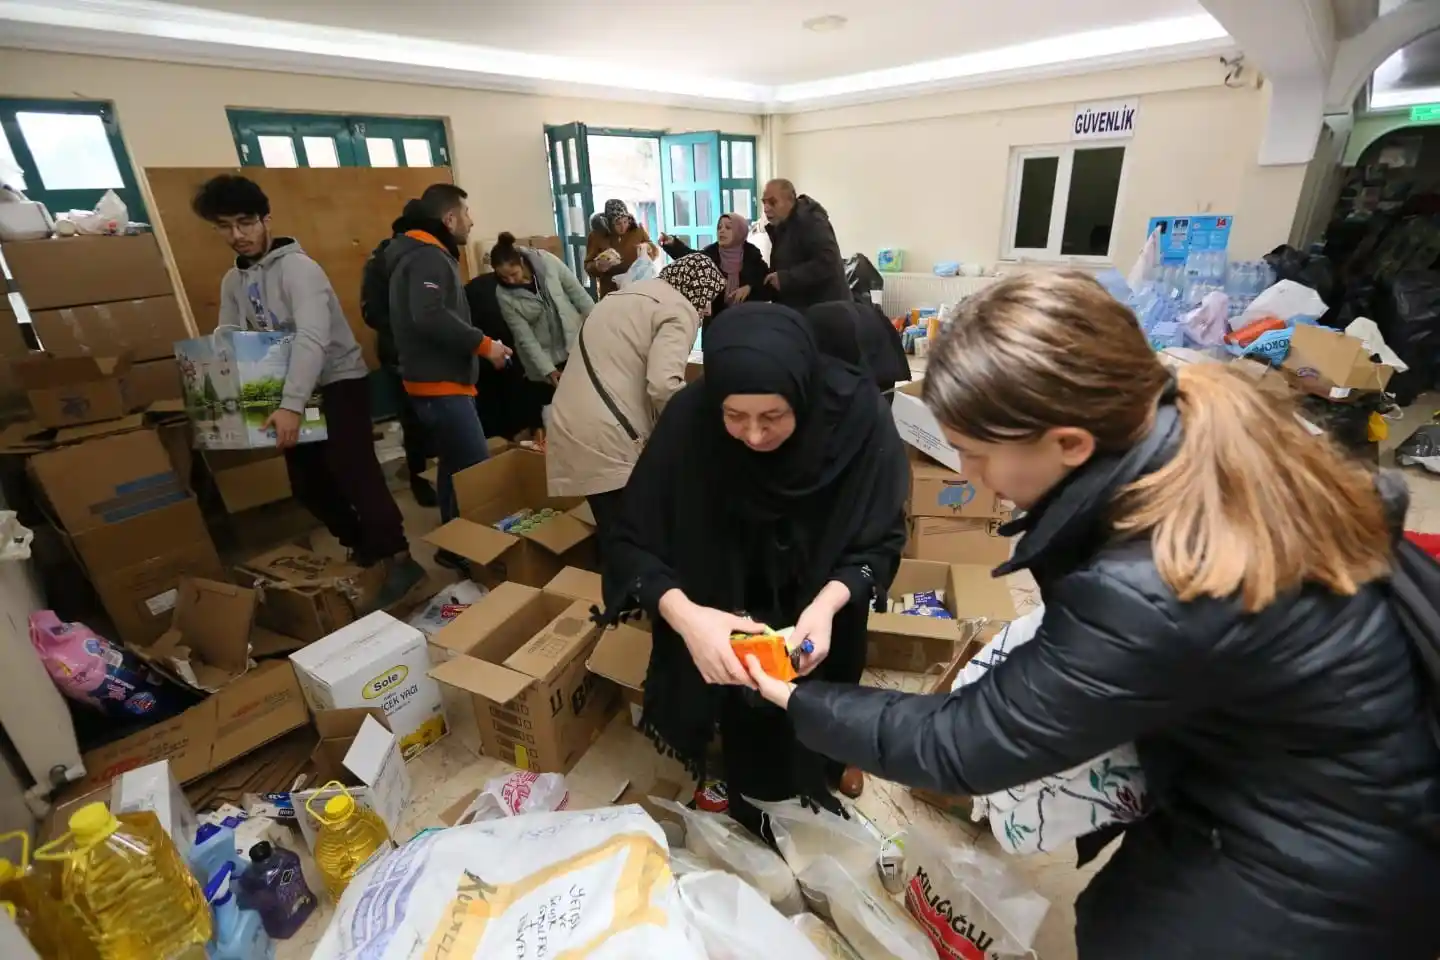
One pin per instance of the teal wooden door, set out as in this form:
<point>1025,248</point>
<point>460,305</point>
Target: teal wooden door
<point>569,160</point>
<point>690,187</point>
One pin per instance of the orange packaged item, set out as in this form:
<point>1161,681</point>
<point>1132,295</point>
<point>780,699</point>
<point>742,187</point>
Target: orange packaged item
<point>769,649</point>
<point>1252,331</point>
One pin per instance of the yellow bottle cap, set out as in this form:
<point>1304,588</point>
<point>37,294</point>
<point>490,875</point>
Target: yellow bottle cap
<point>339,807</point>
<point>92,823</point>
<point>8,871</point>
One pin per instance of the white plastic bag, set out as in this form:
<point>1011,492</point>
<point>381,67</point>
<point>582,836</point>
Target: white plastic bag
<point>1148,259</point>
<point>875,926</point>
<point>519,793</point>
<point>446,605</point>
<point>804,836</point>
<point>1207,324</point>
<point>736,923</point>
<point>729,846</point>
<point>594,883</point>
<point>969,903</point>
<point>642,269</point>
<point>1286,300</point>
<point>110,216</point>
<point>831,945</point>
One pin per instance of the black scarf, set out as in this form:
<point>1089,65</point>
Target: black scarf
<point>706,514</point>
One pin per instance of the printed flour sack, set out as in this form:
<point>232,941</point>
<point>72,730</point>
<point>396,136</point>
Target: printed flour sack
<point>593,884</point>
<point>969,904</point>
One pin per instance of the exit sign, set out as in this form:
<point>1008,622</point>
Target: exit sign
<point>1428,113</point>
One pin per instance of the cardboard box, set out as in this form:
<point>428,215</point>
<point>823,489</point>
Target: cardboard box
<point>107,480</point>
<point>154,381</point>
<point>64,391</point>
<point>252,711</point>
<point>358,749</point>
<point>980,604</point>
<point>957,805</point>
<point>306,595</point>
<point>141,595</point>
<point>622,654</point>
<point>145,329</point>
<point>208,643</point>
<point>154,788</point>
<point>938,491</point>
<point>65,271</point>
<point>1332,365</point>
<point>958,540</point>
<point>376,661</point>
<point>497,488</point>
<point>919,428</point>
<point>520,654</point>
<point>232,381</point>
<point>246,479</point>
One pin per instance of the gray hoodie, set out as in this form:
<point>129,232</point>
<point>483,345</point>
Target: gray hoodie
<point>287,291</point>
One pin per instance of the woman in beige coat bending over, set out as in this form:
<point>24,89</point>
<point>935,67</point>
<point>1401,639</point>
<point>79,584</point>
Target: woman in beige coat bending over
<point>625,365</point>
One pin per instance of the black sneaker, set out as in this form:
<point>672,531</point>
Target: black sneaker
<point>424,492</point>
<point>404,575</point>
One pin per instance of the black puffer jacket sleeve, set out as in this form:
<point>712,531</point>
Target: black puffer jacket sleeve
<point>1108,665</point>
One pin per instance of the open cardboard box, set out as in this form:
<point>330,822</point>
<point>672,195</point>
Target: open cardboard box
<point>980,604</point>
<point>1329,364</point>
<point>919,428</point>
<point>65,391</point>
<point>208,643</point>
<point>306,595</point>
<point>520,654</point>
<point>358,749</point>
<point>500,487</point>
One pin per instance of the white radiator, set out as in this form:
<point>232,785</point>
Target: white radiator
<point>905,291</point>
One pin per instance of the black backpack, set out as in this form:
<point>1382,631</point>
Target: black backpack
<point>375,290</point>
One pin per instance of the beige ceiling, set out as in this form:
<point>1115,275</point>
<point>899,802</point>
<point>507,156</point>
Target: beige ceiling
<point>755,41</point>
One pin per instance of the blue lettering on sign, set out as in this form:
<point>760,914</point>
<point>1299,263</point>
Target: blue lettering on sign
<point>1118,120</point>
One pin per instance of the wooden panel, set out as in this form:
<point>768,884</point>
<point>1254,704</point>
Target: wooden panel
<point>337,214</point>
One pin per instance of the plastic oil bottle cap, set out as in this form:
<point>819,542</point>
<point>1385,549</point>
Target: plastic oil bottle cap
<point>93,823</point>
<point>339,807</point>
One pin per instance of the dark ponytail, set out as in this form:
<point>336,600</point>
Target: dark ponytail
<point>505,251</point>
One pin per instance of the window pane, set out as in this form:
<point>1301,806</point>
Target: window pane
<point>1090,211</point>
<point>680,163</point>
<point>382,152</point>
<point>743,205</point>
<point>742,159</point>
<point>10,171</point>
<point>1037,197</point>
<point>320,151</point>
<point>725,202</point>
<point>417,153</point>
<point>575,217</point>
<point>277,152</point>
<point>681,201</point>
<point>702,161</point>
<point>559,152</point>
<point>71,151</point>
<point>574,164</point>
<point>704,215</point>
<point>704,240</point>
<point>724,161</point>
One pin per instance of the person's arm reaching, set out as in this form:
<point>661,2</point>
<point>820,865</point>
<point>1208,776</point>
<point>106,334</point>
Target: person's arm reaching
<point>574,290</point>
<point>820,262</point>
<point>674,246</point>
<point>669,353</point>
<point>1083,686</point>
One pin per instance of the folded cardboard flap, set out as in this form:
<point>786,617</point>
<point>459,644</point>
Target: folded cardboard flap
<point>577,584</point>
<point>42,371</point>
<point>622,655</point>
<point>1335,360</point>
<point>980,604</point>
<point>208,643</point>
<point>919,428</point>
<point>479,542</point>
<point>306,595</point>
<point>482,678</point>
<point>108,479</point>
<point>500,622</point>
<point>247,478</point>
<point>551,649</point>
<point>337,729</point>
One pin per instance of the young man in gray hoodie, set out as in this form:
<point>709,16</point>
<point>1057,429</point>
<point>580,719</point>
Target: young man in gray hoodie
<point>274,286</point>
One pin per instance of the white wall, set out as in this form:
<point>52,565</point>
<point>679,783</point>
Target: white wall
<point>173,115</point>
<point>928,174</point>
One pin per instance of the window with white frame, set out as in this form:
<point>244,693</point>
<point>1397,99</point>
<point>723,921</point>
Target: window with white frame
<point>1061,202</point>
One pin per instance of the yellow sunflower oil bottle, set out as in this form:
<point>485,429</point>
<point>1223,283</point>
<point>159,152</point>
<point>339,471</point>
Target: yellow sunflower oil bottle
<point>52,932</point>
<point>128,886</point>
<point>349,835</point>
<point>14,945</point>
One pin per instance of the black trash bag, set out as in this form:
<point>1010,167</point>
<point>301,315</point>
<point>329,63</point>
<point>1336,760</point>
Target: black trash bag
<point>1407,311</point>
<point>862,277</point>
<point>1348,424</point>
<point>1315,272</point>
<point>1421,448</point>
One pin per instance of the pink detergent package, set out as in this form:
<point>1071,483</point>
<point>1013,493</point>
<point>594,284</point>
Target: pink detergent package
<point>91,670</point>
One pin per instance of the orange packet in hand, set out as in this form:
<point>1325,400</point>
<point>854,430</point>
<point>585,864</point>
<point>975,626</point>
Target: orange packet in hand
<point>769,649</point>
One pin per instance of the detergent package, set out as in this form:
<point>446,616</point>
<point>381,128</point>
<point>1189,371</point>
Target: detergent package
<point>105,676</point>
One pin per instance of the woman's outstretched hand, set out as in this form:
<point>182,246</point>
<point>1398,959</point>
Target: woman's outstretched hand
<point>776,691</point>
<point>706,632</point>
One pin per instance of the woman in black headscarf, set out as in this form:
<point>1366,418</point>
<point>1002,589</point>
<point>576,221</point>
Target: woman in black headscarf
<point>859,334</point>
<point>772,492</point>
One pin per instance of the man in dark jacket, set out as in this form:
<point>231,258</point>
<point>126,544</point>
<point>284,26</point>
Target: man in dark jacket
<point>439,348</point>
<point>805,262</point>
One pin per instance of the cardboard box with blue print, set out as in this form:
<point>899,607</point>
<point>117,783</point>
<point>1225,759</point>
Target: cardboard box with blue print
<point>67,391</point>
<point>938,491</point>
<point>232,381</point>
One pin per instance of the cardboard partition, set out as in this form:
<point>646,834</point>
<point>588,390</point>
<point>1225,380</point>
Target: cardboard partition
<point>520,653</point>
<point>306,595</point>
<point>1332,365</point>
<point>252,711</point>
<point>64,391</point>
<point>66,271</point>
<point>938,491</point>
<point>146,329</point>
<point>919,428</point>
<point>108,480</point>
<point>208,643</point>
<point>958,540</point>
<point>154,381</point>
<point>376,661</point>
<point>500,487</point>
<point>980,604</point>
<point>246,479</point>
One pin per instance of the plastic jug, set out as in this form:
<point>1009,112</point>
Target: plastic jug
<point>214,847</point>
<point>38,915</point>
<point>132,893</point>
<point>13,943</point>
<point>274,887</point>
<point>239,934</point>
<point>349,836</point>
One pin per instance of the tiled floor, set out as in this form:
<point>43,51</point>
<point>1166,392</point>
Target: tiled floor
<point>453,767</point>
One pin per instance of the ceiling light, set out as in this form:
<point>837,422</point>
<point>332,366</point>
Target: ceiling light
<point>826,24</point>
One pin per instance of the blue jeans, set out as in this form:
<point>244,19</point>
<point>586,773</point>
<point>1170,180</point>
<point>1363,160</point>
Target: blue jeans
<point>455,434</point>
